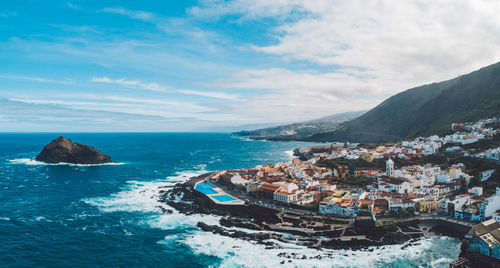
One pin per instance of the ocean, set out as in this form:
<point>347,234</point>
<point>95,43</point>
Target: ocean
<point>108,215</point>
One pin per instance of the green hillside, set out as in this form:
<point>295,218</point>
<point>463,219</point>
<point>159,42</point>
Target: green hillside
<point>424,110</point>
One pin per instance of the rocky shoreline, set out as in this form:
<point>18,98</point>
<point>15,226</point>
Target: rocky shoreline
<point>263,225</point>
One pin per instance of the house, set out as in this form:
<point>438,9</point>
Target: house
<point>396,203</point>
<point>450,206</point>
<point>339,207</point>
<point>267,190</point>
<point>399,185</point>
<point>356,194</point>
<point>284,197</point>
<point>484,238</point>
<point>380,206</point>
<point>485,175</point>
<point>288,187</point>
<point>253,187</point>
<point>326,187</point>
<point>343,172</point>
<point>305,198</point>
<point>490,205</point>
<point>271,171</point>
<point>373,195</point>
<point>497,216</point>
<point>477,191</point>
<point>425,204</point>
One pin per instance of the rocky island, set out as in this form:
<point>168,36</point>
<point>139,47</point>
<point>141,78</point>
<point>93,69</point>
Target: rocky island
<point>63,150</point>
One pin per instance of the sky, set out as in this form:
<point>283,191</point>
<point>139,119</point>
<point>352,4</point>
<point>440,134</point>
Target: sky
<point>153,66</point>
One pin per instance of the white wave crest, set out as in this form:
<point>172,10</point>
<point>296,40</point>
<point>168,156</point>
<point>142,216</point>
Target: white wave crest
<point>142,197</point>
<point>138,196</point>
<point>235,253</point>
<point>289,154</point>
<point>33,162</point>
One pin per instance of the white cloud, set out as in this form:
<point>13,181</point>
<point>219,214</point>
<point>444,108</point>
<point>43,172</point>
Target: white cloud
<point>37,79</point>
<point>217,95</point>
<point>358,52</point>
<point>417,40</point>
<point>73,6</point>
<point>141,15</point>
<point>248,9</point>
<point>287,81</point>
<point>291,96</point>
<point>130,83</point>
<point>143,107</point>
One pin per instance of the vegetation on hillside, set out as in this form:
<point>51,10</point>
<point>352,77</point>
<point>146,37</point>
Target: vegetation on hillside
<point>425,110</point>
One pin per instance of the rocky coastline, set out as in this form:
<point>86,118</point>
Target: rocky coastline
<point>263,225</point>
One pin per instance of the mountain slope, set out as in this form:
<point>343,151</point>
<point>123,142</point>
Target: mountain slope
<point>300,130</point>
<point>424,110</point>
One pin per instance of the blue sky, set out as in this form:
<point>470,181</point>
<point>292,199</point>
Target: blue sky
<point>201,65</point>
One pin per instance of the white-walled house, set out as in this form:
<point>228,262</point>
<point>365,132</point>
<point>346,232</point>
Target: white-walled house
<point>284,197</point>
<point>478,191</point>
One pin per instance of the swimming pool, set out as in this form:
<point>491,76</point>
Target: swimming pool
<point>205,188</point>
<point>223,198</point>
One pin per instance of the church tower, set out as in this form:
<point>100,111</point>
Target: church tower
<point>389,168</point>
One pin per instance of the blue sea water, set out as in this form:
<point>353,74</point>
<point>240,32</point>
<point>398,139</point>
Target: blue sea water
<point>108,215</point>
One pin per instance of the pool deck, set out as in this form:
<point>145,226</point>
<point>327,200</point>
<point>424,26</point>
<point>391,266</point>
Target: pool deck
<point>218,191</point>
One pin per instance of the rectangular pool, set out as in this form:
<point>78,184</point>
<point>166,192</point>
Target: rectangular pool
<point>223,198</point>
<point>205,188</point>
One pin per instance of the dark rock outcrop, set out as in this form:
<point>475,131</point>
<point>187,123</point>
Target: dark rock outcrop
<point>63,150</point>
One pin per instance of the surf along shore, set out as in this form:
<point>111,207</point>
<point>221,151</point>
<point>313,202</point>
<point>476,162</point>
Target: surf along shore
<point>267,223</point>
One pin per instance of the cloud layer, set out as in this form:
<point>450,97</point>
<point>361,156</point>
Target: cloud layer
<point>364,51</point>
<point>237,62</point>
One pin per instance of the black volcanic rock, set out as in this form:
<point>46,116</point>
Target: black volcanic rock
<point>64,150</point>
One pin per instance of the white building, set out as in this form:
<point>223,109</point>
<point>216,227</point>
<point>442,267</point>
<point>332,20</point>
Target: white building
<point>345,208</point>
<point>326,187</point>
<point>399,185</point>
<point>289,187</point>
<point>485,175</point>
<point>396,203</point>
<point>478,191</point>
<point>389,168</point>
<point>491,205</point>
<point>284,197</point>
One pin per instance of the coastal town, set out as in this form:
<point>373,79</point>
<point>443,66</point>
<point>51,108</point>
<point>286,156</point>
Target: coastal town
<point>387,181</point>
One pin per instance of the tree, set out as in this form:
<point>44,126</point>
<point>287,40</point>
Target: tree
<point>400,211</point>
<point>410,211</point>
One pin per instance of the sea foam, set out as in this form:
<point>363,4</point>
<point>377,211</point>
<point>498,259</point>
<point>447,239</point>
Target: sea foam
<point>235,252</point>
<point>289,154</point>
<point>33,162</point>
<point>142,197</point>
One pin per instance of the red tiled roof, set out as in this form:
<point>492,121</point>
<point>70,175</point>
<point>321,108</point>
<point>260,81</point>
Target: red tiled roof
<point>269,187</point>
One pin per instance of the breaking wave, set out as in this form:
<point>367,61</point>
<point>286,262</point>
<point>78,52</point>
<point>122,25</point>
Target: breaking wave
<point>33,162</point>
<point>142,197</point>
<point>235,253</point>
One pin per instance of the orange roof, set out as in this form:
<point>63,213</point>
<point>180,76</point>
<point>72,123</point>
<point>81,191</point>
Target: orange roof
<point>270,187</point>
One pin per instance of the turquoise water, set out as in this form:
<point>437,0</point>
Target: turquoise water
<point>81,216</point>
<point>205,188</point>
<point>223,198</point>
